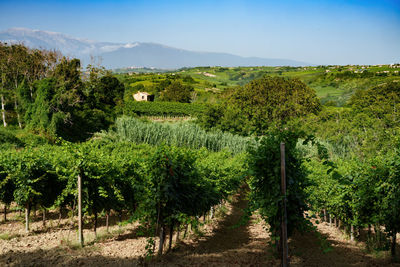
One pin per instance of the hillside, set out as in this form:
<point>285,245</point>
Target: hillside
<point>333,84</point>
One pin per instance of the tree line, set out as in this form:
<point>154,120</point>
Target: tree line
<point>49,94</point>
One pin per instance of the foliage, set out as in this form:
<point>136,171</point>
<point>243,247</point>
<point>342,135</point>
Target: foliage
<point>50,97</point>
<point>183,134</point>
<point>176,92</point>
<point>7,185</point>
<point>381,102</point>
<point>174,186</point>
<point>264,166</point>
<point>163,108</point>
<point>263,102</point>
<point>8,139</point>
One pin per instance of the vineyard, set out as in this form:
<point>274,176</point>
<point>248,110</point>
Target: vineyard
<point>168,189</point>
<point>163,109</point>
<point>259,163</point>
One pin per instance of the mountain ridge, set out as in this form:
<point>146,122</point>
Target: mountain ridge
<point>133,54</point>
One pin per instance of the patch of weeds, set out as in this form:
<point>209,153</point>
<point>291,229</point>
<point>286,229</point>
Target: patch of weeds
<point>244,219</point>
<point>379,254</point>
<point>71,244</point>
<point>150,247</point>
<point>142,231</point>
<point>197,231</point>
<point>221,211</point>
<point>258,220</point>
<point>7,236</point>
<point>377,242</point>
<point>324,243</point>
<point>118,231</point>
<point>102,236</point>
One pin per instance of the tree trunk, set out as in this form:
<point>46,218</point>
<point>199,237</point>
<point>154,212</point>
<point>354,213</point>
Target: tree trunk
<point>277,233</point>
<point>325,218</point>
<point>3,111</point>
<point>162,239</point>
<point>186,230</point>
<point>44,218</point>
<point>18,116</point>
<point>60,216</point>
<point>120,216</point>
<point>107,217</point>
<point>27,211</point>
<point>393,246</point>
<point>95,224</point>
<point>351,232</point>
<point>5,212</point>
<point>330,219</point>
<point>177,233</point>
<point>171,232</point>
<point>212,213</point>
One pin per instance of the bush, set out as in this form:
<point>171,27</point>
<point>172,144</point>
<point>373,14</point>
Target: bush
<point>163,109</point>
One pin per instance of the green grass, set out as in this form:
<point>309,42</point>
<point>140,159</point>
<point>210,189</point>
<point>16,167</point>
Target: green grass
<point>7,236</point>
<point>178,134</point>
<point>329,86</point>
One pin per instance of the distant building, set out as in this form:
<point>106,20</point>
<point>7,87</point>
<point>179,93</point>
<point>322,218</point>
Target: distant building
<point>143,96</point>
<point>209,74</point>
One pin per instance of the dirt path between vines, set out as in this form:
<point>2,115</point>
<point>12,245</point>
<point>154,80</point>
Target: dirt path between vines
<point>227,245</point>
<point>224,243</point>
<point>248,245</point>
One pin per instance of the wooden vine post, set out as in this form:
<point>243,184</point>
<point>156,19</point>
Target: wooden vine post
<point>80,230</point>
<point>283,237</point>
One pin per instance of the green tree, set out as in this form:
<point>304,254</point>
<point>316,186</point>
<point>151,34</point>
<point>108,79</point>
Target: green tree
<point>177,92</point>
<point>381,102</point>
<point>266,101</point>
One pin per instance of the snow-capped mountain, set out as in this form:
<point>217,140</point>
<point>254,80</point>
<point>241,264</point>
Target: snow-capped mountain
<point>119,55</point>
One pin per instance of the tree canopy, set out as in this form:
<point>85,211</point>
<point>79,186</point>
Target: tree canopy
<point>261,103</point>
<point>177,92</point>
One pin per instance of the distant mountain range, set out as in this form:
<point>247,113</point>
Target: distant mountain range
<point>136,54</point>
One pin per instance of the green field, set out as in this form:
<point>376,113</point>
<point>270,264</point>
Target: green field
<point>333,84</point>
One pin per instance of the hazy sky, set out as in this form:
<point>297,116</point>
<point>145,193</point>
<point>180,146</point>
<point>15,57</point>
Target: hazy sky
<point>318,32</point>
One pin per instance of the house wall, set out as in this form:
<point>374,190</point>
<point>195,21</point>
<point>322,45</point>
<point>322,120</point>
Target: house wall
<point>143,97</point>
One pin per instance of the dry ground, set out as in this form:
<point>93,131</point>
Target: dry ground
<point>223,243</point>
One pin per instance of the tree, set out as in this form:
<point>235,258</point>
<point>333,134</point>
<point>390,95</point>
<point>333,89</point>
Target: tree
<point>3,69</point>
<point>20,67</point>
<point>17,66</point>
<point>381,102</point>
<point>266,101</point>
<point>57,102</point>
<point>177,92</point>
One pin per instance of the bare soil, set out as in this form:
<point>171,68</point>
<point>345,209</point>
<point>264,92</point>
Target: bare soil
<point>224,241</point>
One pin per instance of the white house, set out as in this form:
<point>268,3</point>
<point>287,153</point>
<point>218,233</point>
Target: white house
<point>143,96</point>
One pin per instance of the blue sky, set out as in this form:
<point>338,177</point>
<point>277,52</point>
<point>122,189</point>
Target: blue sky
<point>318,32</point>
